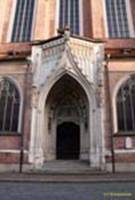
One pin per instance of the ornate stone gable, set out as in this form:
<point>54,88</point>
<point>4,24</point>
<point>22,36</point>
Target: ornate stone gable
<point>69,54</point>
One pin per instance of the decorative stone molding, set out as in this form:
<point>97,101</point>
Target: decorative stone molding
<point>62,53</point>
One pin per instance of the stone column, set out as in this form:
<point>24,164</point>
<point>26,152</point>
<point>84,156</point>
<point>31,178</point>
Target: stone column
<point>36,156</point>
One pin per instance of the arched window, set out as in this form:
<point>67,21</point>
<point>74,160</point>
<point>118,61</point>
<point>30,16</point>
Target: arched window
<point>118,20</point>
<point>23,20</point>
<point>9,106</point>
<point>126,106</point>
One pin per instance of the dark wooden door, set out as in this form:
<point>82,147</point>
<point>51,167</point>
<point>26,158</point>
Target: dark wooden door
<point>68,141</point>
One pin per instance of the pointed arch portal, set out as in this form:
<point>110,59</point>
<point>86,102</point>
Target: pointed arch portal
<point>66,94</point>
<point>66,116</point>
<point>67,119</point>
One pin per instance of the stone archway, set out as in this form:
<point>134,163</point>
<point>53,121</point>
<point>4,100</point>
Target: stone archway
<point>67,73</point>
<point>67,104</point>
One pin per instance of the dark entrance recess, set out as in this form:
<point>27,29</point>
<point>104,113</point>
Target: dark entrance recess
<point>68,141</point>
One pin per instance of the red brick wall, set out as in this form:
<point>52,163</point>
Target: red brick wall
<point>87,18</point>
<point>114,77</point>
<point>120,43</point>
<point>122,158</point>
<point>18,71</point>
<point>117,71</point>
<point>27,115</point>
<point>9,142</point>
<point>8,158</point>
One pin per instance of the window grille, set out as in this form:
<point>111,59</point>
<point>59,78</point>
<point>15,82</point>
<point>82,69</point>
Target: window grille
<point>9,106</point>
<point>117,19</point>
<point>22,26</point>
<point>69,15</point>
<point>126,106</point>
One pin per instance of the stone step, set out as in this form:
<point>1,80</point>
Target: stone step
<point>68,167</point>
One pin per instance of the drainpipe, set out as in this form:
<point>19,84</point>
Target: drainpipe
<point>107,83</point>
<point>21,161</point>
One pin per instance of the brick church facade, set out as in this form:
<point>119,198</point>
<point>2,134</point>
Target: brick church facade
<point>67,83</point>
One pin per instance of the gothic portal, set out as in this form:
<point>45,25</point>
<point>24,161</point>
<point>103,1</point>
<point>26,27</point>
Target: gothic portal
<point>67,83</point>
<point>67,111</point>
<point>67,118</point>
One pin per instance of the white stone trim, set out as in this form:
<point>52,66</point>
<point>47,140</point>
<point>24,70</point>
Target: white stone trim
<point>114,96</point>
<point>120,151</point>
<point>69,12</point>
<point>81,17</point>
<point>15,151</point>
<point>124,151</point>
<point>10,30</point>
<point>105,19</point>
<point>34,20</point>
<point>128,143</point>
<point>57,16</point>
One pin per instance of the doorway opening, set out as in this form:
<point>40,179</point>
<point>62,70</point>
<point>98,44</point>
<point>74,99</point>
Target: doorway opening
<point>68,141</point>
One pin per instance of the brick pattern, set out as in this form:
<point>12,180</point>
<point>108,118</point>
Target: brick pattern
<point>17,70</point>
<point>87,19</point>
<point>27,113</point>
<point>119,142</point>
<point>122,158</point>
<point>98,25</point>
<point>117,71</point>
<point>9,142</point>
<point>119,43</point>
<point>14,158</point>
<point>40,25</point>
<point>52,19</point>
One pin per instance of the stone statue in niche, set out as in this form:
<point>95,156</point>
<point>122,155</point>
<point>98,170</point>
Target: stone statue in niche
<point>35,96</point>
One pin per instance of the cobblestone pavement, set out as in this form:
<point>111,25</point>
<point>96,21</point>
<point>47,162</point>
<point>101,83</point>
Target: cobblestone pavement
<point>67,191</point>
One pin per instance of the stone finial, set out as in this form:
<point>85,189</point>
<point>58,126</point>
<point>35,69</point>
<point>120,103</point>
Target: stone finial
<point>64,31</point>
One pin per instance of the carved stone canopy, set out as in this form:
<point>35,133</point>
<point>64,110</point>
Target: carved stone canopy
<point>74,54</point>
